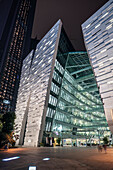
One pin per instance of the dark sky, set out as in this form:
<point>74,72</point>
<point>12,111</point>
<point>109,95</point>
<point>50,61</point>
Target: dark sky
<point>72,13</point>
<point>4,10</point>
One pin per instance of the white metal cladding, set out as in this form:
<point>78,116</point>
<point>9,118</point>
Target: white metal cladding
<point>23,95</point>
<point>98,37</point>
<point>40,78</point>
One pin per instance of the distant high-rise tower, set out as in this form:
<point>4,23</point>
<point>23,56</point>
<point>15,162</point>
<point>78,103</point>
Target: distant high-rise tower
<point>15,44</point>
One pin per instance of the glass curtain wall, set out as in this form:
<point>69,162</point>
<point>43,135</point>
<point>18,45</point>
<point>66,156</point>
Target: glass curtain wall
<point>75,104</point>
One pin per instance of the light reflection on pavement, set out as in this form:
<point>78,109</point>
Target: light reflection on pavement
<point>64,158</point>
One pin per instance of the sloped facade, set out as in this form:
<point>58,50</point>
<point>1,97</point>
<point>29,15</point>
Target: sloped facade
<point>98,37</point>
<point>39,76</point>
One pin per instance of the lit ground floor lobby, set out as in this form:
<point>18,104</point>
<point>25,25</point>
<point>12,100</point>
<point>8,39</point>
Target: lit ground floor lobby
<point>61,158</point>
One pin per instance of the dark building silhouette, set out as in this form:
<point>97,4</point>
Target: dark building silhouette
<point>14,46</point>
<point>33,44</point>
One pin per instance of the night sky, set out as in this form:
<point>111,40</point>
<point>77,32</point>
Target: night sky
<point>72,13</point>
<point>4,10</point>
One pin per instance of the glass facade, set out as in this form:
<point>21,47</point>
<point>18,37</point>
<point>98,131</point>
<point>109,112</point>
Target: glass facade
<point>98,37</point>
<point>79,105</point>
<point>58,95</point>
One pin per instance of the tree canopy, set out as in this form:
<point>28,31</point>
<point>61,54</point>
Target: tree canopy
<point>8,122</point>
<point>6,128</point>
<point>105,140</point>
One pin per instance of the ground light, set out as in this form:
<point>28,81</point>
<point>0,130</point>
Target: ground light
<point>32,167</point>
<point>46,159</point>
<point>9,159</point>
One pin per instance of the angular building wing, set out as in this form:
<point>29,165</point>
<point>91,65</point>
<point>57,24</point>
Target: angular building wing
<point>38,87</point>
<point>98,37</point>
<point>40,82</point>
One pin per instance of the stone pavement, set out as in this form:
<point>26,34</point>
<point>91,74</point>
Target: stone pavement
<point>61,158</point>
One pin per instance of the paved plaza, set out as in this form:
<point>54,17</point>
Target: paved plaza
<point>61,158</point>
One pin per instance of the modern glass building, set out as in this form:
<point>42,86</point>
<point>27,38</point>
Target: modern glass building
<point>58,95</point>
<point>98,37</point>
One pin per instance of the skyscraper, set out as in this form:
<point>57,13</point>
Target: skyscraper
<point>15,44</point>
<point>98,37</point>
<point>56,93</point>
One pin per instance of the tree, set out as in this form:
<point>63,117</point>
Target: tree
<point>6,128</point>
<point>8,122</point>
<point>9,138</point>
<point>58,140</point>
<point>105,140</point>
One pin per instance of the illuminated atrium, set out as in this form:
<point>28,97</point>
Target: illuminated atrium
<point>58,95</point>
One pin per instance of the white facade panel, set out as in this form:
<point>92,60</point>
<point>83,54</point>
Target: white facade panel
<point>36,94</point>
<point>23,95</point>
<point>98,37</point>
